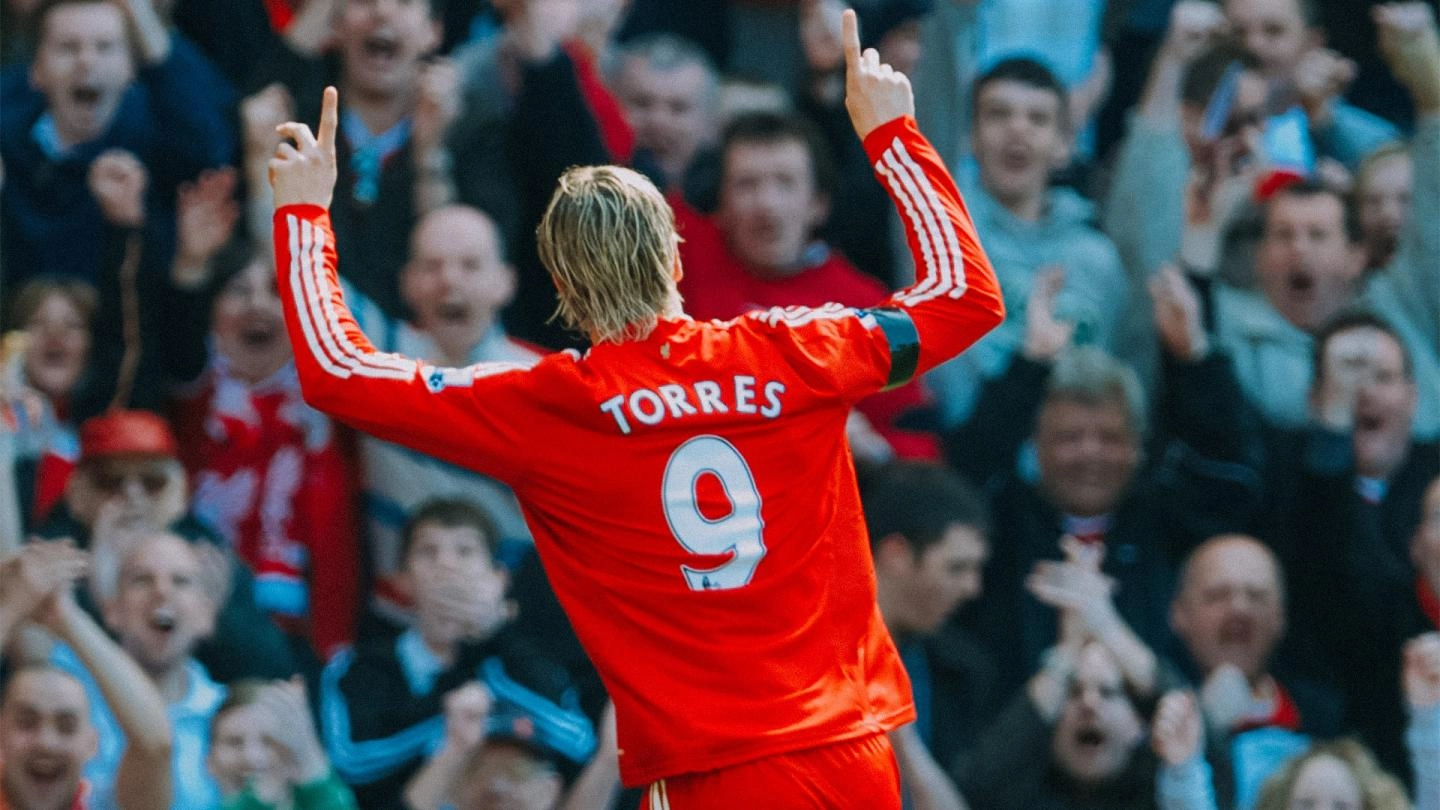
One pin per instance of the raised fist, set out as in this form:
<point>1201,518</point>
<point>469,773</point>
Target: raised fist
<point>466,710</point>
<point>1177,733</point>
<point>1411,46</point>
<point>1194,24</point>
<point>117,181</point>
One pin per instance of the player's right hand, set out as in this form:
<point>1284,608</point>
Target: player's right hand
<point>875,93</point>
<point>305,171</point>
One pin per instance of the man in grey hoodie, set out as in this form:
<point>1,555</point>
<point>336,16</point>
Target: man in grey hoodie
<point>1302,282</point>
<point>1020,135</point>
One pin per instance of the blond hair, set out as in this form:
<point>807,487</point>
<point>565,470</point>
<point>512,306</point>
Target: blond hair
<point>608,239</point>
<point>1379,790</point>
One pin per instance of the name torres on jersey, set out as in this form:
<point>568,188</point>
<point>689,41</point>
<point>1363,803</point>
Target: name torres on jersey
<point>743,394</point>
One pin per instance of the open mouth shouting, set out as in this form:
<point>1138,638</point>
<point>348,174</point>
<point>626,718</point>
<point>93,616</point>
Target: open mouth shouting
<point>453,313</point>
<point>259,334</point>
<point>381,51</point>
<point>162,621</point>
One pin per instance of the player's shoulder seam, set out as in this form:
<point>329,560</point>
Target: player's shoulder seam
<point>795,316</point>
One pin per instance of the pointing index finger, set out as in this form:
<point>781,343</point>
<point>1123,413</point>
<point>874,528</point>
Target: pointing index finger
<point>850,36</point>
<point>329,118</point>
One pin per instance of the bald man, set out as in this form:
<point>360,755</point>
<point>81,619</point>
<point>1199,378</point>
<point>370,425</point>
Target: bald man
<point>455,284</point>
<point>1229,613</point>
<point>1230,608</point>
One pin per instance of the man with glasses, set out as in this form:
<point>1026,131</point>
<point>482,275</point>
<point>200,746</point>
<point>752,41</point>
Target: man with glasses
<point>129,483</point>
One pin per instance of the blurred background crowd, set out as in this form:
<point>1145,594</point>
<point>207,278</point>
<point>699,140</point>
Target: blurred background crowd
<point>1168,538</point>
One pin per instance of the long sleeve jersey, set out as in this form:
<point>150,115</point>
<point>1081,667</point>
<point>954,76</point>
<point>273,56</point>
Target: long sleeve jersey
<point>691,493</point>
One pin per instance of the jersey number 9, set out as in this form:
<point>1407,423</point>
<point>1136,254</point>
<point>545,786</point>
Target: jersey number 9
<point>737,534</point>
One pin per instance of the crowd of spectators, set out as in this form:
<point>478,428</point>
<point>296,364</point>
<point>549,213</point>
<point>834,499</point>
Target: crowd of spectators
<point>1169,537</point>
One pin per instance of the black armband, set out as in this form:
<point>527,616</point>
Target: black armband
<point>904,342</point>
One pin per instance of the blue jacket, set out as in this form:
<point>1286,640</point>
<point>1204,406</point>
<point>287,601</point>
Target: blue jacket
<point>173,118</point>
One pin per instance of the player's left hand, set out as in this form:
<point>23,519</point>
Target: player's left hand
<point>304,172</point>
<point>874,92</point>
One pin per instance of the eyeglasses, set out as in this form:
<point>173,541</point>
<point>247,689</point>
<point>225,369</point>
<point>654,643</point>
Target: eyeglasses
<point>112,482</point>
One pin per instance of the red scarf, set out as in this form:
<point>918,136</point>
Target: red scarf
<point>276,478</point>
<point>1286,714</point>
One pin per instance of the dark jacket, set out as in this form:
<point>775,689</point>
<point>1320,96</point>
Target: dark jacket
<point>1353,600</point>
<point>173,118</point>
<point>1202,482</point>
<point>379,731</point>
<point>960,689</point>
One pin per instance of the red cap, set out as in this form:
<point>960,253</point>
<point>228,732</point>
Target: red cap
<point>127,433</point>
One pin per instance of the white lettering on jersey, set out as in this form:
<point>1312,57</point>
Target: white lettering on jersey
<point>675,397</point>
<point>612,407</point>
<point>745,393</point>
<point>680,401</point>
<point>709,393</point>
<point>773,390</point>
<point>639,399</point>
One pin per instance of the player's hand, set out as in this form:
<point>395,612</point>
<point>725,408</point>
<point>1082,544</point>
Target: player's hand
<point>117,181</point>
<point>875,93</point>
<point>1411,46</point>
<point>1421,673</point>
<point>1046,335</point>
<point>304,172</point>
<point>1177,315</point>
<point>1177,733</point>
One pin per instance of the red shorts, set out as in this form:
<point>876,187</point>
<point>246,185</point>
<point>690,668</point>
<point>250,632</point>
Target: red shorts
<point>856,773</point>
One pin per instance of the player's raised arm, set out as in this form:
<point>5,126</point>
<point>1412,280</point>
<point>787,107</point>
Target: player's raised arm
<point>955,299</point>
<point>434,410</point>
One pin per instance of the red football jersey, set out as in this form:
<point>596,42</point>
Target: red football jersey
<point>691,494</point>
